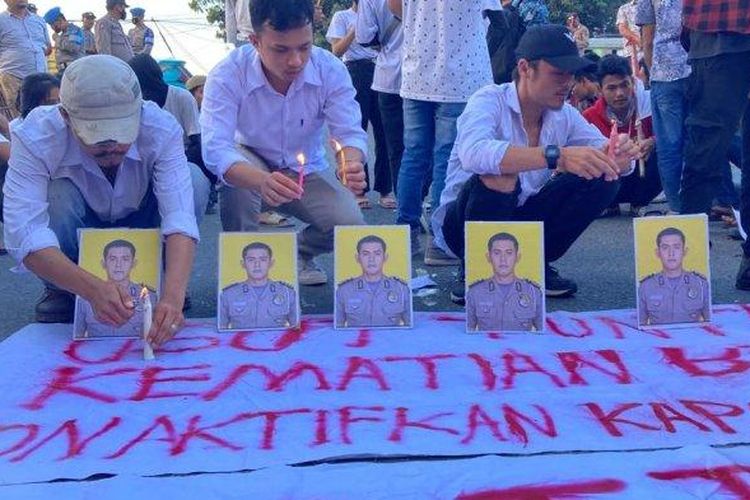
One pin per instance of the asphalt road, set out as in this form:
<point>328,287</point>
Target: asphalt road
<point>601,262</point>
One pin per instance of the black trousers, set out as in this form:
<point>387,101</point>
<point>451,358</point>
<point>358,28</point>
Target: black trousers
<point>392,116</point>
<point>567,205</point>
<point>640,191</point>
<point>362,72</point>
<point>717,98</point>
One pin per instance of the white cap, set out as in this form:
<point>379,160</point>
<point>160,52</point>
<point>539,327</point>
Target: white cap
<point>103,99</point>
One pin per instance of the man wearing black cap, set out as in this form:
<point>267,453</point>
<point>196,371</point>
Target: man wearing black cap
<point>523,154</point>
<point>110,37</point>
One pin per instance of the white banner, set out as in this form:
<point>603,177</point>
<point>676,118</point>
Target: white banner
<point>246,400</point>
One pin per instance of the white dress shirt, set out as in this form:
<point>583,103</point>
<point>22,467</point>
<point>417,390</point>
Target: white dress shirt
<point>45,149</point>
<point>445,56</point>
<point>375,19</point>
<point>492,123</point>
<point>344,21</point>
<point>237,20</point>
<point>241,107</point>
<point>182,105</point>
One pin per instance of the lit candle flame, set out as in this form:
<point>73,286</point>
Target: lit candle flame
<point>336,145</point>
<point>340,159</point>
<point>144,292</point>
<point>301,158</point>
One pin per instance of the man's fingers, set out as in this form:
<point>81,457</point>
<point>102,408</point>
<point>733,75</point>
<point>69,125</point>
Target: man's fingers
<point>287,185</point>
<point>125,298</point>
<point>284,193</point>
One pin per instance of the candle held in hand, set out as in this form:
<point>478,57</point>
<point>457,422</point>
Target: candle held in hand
<point>641,161</point>
<point>340,160</point>
<point>613,138</point>
<point>301,172</point>
<point>148,352</point>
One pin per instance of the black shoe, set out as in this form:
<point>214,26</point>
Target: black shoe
<point>187,304</point>
<point>458,292</point>
<point>556,286</point>
<point>743,275</point>
<point>55,306</point>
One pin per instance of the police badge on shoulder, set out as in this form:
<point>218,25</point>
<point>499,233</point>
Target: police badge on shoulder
<point>505,277</point>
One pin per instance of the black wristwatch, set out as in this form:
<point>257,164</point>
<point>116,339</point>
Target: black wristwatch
<point>552,154</point>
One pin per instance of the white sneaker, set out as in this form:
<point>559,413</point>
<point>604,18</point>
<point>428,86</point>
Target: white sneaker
<point>310,274</point>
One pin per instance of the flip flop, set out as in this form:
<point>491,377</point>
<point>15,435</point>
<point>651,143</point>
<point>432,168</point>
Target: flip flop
<point>363,202</point>
<point>388,202</point>
<point>274,219</point>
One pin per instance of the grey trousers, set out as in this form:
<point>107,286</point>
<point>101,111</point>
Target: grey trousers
<point>325,205</point>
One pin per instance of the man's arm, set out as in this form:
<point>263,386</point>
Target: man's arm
<point>645,17</point>
<point>103,37</point>
<point>148,41</point>
<point>338,36</point>
<point>230,21</point>
<point>397,7</point>
<point>366,30</point>
<point>344,120</point>
<point>339,46</point>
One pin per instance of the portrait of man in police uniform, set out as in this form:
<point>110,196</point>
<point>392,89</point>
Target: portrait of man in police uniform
<point>373,299</point>
<point>674,295</point>
<point>118,262</point>
<point>504,301</point>
<point>258,302</point>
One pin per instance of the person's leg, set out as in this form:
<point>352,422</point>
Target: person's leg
<point>240,208</point>
<point>668,103</point>
<point>648,186</point>
<point>10,87</point>
<point>325,205</point>
<point>718,87</point>
<point>392,115</point>
<point>727,195</point>
<point>201,191</point>
<point>446,115</point>
<point>359,75</point>
<point>383,179</point>
<point>419,140</point>
<point>743,276</point>
<point>567,205</point>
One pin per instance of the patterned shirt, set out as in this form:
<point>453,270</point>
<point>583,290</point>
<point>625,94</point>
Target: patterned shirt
<point>670,59</point>
<point>533,12</point>
<point>717,15</point>
<point>626,15</point>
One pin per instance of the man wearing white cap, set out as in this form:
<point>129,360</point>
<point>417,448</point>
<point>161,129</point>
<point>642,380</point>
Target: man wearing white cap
<point>103,158</point>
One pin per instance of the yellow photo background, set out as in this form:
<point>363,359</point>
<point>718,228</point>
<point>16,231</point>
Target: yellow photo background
<point>147,244</point>
<point>284,246</point>
<point>396,239</point>
<point>530,237</point>
<point>695,228</point>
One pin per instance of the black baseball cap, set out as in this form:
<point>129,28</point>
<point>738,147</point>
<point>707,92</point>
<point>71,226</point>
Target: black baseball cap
<point>554,44</point>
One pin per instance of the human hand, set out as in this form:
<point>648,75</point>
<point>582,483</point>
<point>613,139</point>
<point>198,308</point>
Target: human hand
<point>167,321</point>
<point>278,189</point>
<point>353,176</point>
<point>627,151</point>
<point>111,304</point>
<point>588,163</point>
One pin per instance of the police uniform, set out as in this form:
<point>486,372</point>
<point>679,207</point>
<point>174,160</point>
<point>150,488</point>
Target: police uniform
<point>521,309</point>
<point>360,303</point>
<point>89,42</point>
<point>111,39</point>
<point>141,39</point>
<point>87,326</point>
<point>245,306</point>
<point>677,300</point>
<point>69,46</point>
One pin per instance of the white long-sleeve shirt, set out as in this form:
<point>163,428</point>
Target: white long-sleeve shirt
<point>45,149</point>
<point>241,107</point>
<point>237,20</point>
<point>492,123</point>
<point>375,19</point>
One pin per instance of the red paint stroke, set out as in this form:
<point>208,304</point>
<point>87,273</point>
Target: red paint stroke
<point>75,445</point>
<point>73,352</point>
<point>290,337</point>
<point>548,491</point>
<point>731,361</point>
<point>480,418</point>
<point>512,360</point>
<point>428,365</point>
<point>585,331</point>
<point>728,477</point>
<point>514,418</point>
<point>346,419</point>
<point>150,377</point>
<point>32,430</point>
<point>608,420</point>
<point>489,378</point>
<point>362,368</point>
<point>273,381</point>
<point>573,362</point>
<point>363,339</point>
<point>403,422</point>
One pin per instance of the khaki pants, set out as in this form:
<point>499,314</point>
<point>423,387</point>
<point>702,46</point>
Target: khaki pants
<point>10,87</point>
<point>325,205</point>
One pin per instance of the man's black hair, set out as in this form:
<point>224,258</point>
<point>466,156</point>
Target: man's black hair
<point>371,239</point>
<point>257,245</point>
<point>35,90</point>
<point>670,231</point>
<point>118,244</point>
<point>612,64</point>
<point>281,15</point>
<point>502,237</point>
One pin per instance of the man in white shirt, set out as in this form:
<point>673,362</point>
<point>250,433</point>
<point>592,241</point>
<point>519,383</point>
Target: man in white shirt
<point>360,61</point>
<point>378,27</point>
<point>445,60</point>
<point>237,21</point>
<point>523,154</point>
<point>103,158</point>
<point>265,107</point>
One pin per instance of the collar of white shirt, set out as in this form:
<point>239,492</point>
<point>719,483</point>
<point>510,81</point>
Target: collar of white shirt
<point>256,76</point>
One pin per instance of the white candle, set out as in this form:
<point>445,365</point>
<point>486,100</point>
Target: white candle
<point>148,352</point>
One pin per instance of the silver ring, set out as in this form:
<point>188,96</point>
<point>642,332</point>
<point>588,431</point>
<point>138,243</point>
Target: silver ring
<point>173,326</point>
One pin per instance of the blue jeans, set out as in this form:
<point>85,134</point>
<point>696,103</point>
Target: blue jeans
<point>429,134</point>
<point>669,108</point>
<point>68,212</point>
